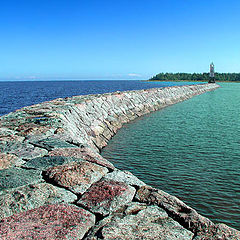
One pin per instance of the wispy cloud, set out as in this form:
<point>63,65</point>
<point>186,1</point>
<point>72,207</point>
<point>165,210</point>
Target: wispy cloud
<point>31,77</point>
<point>134,75</point>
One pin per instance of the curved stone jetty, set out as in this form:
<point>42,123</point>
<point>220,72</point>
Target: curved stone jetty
<point>54,184</point>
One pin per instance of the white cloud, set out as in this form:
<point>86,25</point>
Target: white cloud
<point>134,75</point>
<point>31,77</point>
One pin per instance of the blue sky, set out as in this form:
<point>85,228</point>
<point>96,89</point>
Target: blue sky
<point>134,39</point>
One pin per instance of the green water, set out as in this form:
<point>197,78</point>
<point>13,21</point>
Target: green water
<point>190,150</point>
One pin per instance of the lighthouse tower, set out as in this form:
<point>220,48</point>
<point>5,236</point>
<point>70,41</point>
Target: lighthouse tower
<point>211,74</point>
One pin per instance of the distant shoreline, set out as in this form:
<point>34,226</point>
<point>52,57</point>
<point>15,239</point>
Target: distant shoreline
<point>187,81</point>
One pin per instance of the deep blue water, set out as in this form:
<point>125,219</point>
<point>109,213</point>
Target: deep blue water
<point>14,95</point>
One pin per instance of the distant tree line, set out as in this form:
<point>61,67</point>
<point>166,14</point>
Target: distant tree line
<point>196,77</point>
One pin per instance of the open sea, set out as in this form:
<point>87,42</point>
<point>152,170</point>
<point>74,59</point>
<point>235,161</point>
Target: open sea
<point>190,149</point>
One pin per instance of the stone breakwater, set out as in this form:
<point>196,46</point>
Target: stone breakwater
<point>54,184</point>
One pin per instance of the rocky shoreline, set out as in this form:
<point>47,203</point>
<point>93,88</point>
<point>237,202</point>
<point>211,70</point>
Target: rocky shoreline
<point>54,184</point>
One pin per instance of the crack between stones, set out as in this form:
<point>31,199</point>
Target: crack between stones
<point>99,148</point>
<point>195,235</point>
<point>104,121</point>
<point>99,217</point>
<point>75,144</point>
<point>28,168</point>
<point>177,219</point>
<point>48,148</point>
<point>49,181</point>
<point>101,135</point>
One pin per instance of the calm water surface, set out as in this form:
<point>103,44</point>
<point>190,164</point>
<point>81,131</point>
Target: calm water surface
<point>190,150</point>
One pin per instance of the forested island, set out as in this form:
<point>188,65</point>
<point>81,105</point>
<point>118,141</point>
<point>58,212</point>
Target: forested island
<point>223,77</point>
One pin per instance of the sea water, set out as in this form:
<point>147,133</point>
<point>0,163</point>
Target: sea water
<point>191,150</point>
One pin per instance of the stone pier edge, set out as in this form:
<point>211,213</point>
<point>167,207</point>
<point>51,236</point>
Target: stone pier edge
<point>55,184</point>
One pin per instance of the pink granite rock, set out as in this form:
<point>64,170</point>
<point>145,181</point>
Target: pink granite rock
<point>32,129</point>
<point>150,223</point>
<point>76,176</point>
<point>60,221</point>
<point>218,232</point>
<point>32,196</point>
<point>6,138</point>
<point>177,209</point>
<point>27,151</point>
<point>7,160</point>
<point>9,142</point>
<point>106,196</point>
<point>126,177</point>
<point>84,153</point>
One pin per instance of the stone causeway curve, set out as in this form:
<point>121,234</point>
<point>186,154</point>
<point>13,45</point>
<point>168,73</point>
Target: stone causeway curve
<point>54,184</point>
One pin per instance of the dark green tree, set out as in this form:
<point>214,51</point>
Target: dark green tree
<point>203,77</point>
